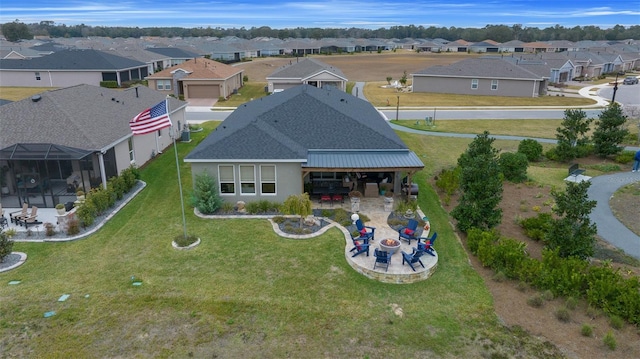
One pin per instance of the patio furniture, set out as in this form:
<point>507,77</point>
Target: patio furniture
<point>413,258</point>
<point>371,189</point>
<point>325,198</point>
<point>14,216</point>
<point>383,259</point>
<point>408,232</point>
<point>359,246</point>
<point>31,219</point>
<point>367,232</point>
<point>427,246</point>
<point>337,198</point>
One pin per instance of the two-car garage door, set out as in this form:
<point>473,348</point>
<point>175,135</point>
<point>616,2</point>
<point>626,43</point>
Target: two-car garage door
<point>203,91</point>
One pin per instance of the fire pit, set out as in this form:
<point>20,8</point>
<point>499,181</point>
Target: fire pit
<point>390,245</point>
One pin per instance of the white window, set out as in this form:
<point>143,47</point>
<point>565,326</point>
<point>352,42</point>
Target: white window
<point>268,179</point>
<point>37,76</point>
<point>163,85</point>
<point>474,84</point>
<point>227,179</point>
<point>247,179</point>
<point>131,157</point>
<point>494,85</point>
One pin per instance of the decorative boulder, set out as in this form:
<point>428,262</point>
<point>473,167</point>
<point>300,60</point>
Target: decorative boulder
<point>311,221</point>
<point>241,206</point>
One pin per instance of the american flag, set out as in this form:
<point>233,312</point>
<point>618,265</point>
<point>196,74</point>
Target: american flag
<point>151,119</point>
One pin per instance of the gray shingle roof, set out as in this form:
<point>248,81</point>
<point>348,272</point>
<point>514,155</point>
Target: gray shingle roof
<point>173,52</point>
<point>484,67</point>
<point>287,124</point>
<point>303,69</point>
<point>83,116</point>
<point>73,60</point>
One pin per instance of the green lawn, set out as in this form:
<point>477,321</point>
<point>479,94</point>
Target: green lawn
<point>243,292</point>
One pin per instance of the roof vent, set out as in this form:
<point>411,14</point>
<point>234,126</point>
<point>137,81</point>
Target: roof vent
<point>36,98</point>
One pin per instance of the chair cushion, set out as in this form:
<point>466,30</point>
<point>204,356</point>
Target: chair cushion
<point>408,231</point>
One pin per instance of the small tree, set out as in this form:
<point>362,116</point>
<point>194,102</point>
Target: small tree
<point>205,195</point>
<point>6,245</point>
<point>610,131</point>
<point>530,148</point>
<point>514,166</point>
<point>572,233</point>
<point>481,185</point>
<point>389,80</point>
<point>403,79</point>
<point>298,204</point>
<point>572,134</point>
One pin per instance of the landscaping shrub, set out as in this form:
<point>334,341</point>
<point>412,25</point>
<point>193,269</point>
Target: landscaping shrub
<point>609,341</point>
<point>571,303</point>
<point>532,149</point>
<point>563,315</point>
<point>536,301</point>
<point>536,227</point>
<point>87,213</point>
<point>109,84</point>
<point>130,175</point>
<point>117,186</point>
<point>506,256</point>
<point>562,276</point>
<point>101,199</point>
<point>6,245</point>
<point>616,295</point>
<point>477,237</point>
<point>586,330</point>
<point>449,182</point>
<point>513,166</point>
<point>616,322</point>
<point>625,157</point>
<point>205,196</point>
<point>73,227</point>
<point>49,229</point>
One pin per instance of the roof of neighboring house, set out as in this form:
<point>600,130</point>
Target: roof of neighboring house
<point>483,67</point>
<point>292,124</point>
<point>199,68</point>
<point>173,52</point>
<point>82,116</point>
<point>304,69</point>
<point>73,60</point>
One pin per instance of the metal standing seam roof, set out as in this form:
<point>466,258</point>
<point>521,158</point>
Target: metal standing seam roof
<point>363,159</point>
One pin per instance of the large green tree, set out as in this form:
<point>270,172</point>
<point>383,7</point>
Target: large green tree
<point>610,131</point>
<point>572,232</point>
<point>14,31</point>
<point>572,135</point>
<point>481,186</point>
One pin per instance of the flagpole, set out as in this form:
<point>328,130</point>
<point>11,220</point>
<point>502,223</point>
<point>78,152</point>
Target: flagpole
<point>175,150</point>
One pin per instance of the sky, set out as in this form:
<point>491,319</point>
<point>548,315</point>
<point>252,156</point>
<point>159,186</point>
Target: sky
<point>365,14</point>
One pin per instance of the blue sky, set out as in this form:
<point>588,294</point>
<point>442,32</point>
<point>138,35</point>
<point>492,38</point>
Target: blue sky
<point>366,14</point>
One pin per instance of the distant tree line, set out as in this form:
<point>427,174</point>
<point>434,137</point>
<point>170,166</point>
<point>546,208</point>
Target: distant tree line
<point>16,30</point>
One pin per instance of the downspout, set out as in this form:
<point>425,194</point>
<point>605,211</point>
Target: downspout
<point>103,173</point>
<point>50,79</point>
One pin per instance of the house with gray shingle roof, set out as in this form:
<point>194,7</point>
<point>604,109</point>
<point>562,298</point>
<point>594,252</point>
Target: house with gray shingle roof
<point>82,131</point>
<point>491,76</point>
<point>71,67</point>
<point>306,71</point>
<point>301,139</point>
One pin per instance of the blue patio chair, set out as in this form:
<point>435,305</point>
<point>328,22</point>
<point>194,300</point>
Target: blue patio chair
<point>427,245</point>
<point>383,259</point>
<point>367,232</point>
<point>413,258</point>
<point>408,232</point>
<point>359,246</point>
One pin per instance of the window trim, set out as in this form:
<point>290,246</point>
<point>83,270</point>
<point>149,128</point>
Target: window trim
<point>242,181</point>
<point>38,78</point>
<point>274,181</point>
<point>494,85</point>
<point>233,181</point>
<point>163,85</point>
<point>132,155</point>
<point>474,84</point>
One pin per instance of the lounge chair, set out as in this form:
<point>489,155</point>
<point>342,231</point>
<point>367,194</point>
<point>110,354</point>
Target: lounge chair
<point>31,219</point>
<point>18,215</point>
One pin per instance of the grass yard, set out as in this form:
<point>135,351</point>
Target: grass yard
<point>20,93</point>
<point>243,292</point>
<point>533,128</point>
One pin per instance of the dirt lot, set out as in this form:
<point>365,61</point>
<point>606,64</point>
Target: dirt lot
<point>510,300</point>
<point>360,67</point>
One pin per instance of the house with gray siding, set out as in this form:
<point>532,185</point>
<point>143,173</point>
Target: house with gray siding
<point>306,71</point>
<point>490,76</point>
<point>78,136</point>
<point>303,139</point>
<point>71,67</point>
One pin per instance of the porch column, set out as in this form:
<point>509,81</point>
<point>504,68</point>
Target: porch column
<point>103,174</point>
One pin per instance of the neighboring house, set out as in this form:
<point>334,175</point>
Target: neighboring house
<point>306,71</point>
<point>173,55</point>
<point>484,46</point>
<point>512,46</point>
<point>71,67</point>
<point>492,76</point>
<point>303,139</point>
<point>198,78</point>
<point>457,46</point>
<point>76,134</point>
<point>553,67</point>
